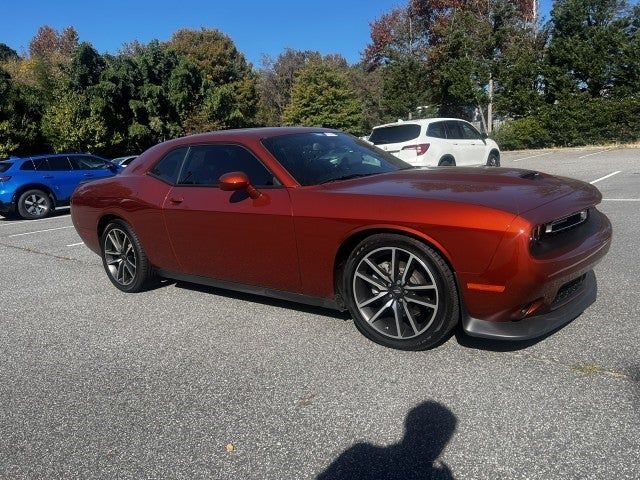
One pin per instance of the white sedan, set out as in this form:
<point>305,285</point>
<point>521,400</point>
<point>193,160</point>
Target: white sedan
<point>436,142</point>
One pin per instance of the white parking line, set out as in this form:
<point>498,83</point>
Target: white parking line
<point>596,153</point>
<point>606,176</point>
<point>532,156</point>
<point>621,199</point>
<point>38,231</point>
<point>75,244</point>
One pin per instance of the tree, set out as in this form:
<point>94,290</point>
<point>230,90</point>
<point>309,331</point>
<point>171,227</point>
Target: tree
<point>587,38</point>
<point>322,96</point>
<point>7,53</point>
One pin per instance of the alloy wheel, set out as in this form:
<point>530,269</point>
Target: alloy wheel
<point>36,205</point>
<point>120,256</point>
<point>395,292</point>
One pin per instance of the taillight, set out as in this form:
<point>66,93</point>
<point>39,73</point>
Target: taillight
<point>420,148</point>
<point>5,179</point>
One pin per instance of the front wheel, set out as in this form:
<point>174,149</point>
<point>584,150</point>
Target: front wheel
<point>124,259</point>
<point>400,292</point>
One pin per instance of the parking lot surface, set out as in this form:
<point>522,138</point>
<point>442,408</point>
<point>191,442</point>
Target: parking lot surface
<point>194,382</point>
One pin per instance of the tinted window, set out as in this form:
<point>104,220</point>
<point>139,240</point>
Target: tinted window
<point>28,165</point>
<point>87,162</point>
<point>436,130</point>
<point>41,164</point>
<point>314,158</point>
<point>454,132</point>
<point>59,163</point>
<point>128,161</point>
<point>205,164</point>
<point>167,169</point>
<point>4,166</point>
<point>394,134</point>
<point>469,132</point>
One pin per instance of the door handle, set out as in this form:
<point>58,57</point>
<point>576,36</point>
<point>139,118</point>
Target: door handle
<point>176,200</point>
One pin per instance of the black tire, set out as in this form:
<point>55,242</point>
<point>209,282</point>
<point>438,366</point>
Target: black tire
<point>34,204</point>
<point>144,275</point>
<point>493,160</point>
<point>444,318</point>
<point>447,161</point>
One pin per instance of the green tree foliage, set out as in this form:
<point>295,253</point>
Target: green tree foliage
<point>322,96</point>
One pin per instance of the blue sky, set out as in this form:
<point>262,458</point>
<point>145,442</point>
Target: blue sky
<point>256,26</point>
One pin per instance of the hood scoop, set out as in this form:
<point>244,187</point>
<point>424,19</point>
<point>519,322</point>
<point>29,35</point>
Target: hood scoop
<point>530,175</point>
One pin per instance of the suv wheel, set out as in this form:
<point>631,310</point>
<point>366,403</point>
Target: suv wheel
<point>34,204</point>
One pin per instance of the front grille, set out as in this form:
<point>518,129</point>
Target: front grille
<point>569,289</point>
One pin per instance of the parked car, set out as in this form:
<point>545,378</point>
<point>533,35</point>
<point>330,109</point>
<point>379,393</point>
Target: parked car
<point>32,187</point>
<point>437,142</point>
<point>317,216</point>
<point>124,161</point>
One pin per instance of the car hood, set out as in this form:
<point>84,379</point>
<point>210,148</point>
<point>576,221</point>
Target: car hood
<point>508,189</point>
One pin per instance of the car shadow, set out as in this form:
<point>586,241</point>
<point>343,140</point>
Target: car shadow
<point>59,212</point>
<point>428,429</point>
<point>274,302</point>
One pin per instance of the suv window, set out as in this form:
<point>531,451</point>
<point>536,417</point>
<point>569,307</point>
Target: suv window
<point>395,134</point>
<point>4,166</point>
<point>167,169</point>
<point>205,164</point>
<point>87,162</point>
<point>469,132</point>
<point>454,132</point>
<point>59,164</point>
<point>28,165</point>
<point>41,164</point>
<point>436,130</point>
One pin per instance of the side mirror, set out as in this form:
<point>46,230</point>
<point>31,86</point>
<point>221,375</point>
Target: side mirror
<point>234,181</point>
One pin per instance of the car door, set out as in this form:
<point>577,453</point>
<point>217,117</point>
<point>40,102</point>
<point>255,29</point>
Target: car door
<point>228,235</point>
<point>57,180</point>
<point>474,145</point>
<point>453,142</point>
<point>89,167</point>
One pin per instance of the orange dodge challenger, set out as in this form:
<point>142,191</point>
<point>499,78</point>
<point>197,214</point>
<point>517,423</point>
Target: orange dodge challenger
<point>317,216</point>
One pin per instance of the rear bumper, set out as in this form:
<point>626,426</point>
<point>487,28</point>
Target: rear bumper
<point>539,325</point>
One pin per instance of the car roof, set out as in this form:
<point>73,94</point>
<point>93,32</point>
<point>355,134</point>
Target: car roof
<point>240,134</point>
<point>419,121</point>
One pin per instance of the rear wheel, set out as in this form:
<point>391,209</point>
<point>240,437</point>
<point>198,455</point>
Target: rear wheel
<point>493,160</point>
<point>447,162</point>
<point>401,293</point>
<point>124,259</point>
<point>34,204</point>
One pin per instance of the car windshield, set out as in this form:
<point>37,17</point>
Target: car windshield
<point>321,157</point>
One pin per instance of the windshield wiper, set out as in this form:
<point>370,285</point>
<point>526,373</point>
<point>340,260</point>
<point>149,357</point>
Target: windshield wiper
<point>347,177</point>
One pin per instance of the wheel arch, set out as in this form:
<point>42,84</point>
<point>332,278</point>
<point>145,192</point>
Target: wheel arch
<point>446,157</point>
<point>104,220</point>
<point>35,186</point>
<point>350,242</point>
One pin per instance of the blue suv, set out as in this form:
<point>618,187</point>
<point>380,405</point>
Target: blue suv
<point>33,187</point>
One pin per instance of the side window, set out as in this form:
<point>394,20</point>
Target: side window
<point>28,165</point>
<point>60,164</point>
<point>454,132</point>
<point>205,164</point>
<point>469,132</point>
<point>41,164</point>
<point>436,130</point>
<point>167,169</point>
<point>87,162</point>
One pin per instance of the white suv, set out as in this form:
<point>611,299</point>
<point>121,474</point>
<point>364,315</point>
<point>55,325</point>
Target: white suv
<point>436,142</point>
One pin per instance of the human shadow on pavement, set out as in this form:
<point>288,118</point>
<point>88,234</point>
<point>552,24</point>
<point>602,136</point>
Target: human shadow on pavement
<point>428,428</point>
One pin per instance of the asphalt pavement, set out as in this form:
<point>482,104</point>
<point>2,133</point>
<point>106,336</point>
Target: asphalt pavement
<point>193,382</point>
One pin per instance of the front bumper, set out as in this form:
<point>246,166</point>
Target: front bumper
<point>539,325</point>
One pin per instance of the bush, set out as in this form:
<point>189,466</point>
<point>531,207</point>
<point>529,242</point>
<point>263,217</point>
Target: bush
<point>522,133</point>
<point>574,121</point>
